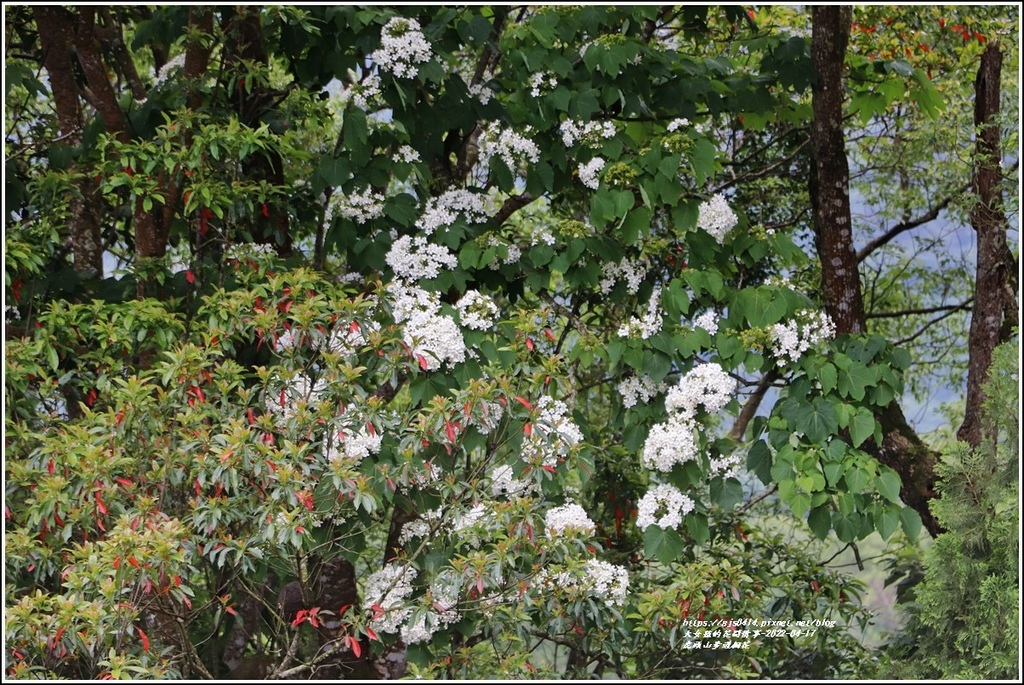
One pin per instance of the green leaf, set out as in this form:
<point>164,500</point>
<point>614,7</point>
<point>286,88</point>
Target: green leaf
<point>833,472</point>
<point>847,525</point>
<point>759,460</point>
<point>697,524</point>
<point>886,521</point>
<point>888,485</point>
<point>911,522</point>
<point>820,521</point>
<point>862,426</point>
<point>854,379</point>
<point>817,420</point>
<point>664,544</point>
<point>726,493</point>
<point>827,377</point>
<point>857,479</point>
<point>52,358</point>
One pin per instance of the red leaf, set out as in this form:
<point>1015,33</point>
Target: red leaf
<point>100,505</point>
<point>423,361</point>
<point>370,633</point>
<point>124,481</point>
<point>265,209</point>
<point>190,277</point>
<point>354,645</point>
<point>449,430</point>
<point>145,640</point>
<point>133,561</point>
<point>528,429</point>
<point>231,610</point>
<point>50,466</point>
<point>522,401</point>
<point>252,417</point>
<point>91,397</point>
<point>529,343</point>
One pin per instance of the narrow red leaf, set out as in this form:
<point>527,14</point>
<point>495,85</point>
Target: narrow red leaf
<point>145,639</point>
<point>524,402</point>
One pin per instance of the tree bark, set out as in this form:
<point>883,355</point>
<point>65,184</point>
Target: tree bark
<point>995,289</point>
<point>56,36</point>
<point>902,449</point>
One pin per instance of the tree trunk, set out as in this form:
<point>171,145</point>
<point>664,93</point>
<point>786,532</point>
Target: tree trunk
<point>994,290</point>
<point>901,449</point>
<point>56,35</point>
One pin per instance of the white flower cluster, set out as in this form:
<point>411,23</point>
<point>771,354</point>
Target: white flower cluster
<point>677,124</point>
<point>706,384</point>
<point>362,443</point>
<point>413,258</point>
<point>542,80</point>
<point>443,610</point>
<point>445,209</point>
<point>610,582</point>
<point>726,467</point>
<point>591,133</point>
<point>552,434</point>
<point>515,149</point>
<point>171,66</point>
<point>568,519</point>
<point>433,338</point>
<point>476,310</point>
<point>638,389</point>
<point>514,252</point>
<point>242,251</point>
<point>365,94</point>
<point>708,321</point>
<point>590,173</point>
<point>361,206</point>
<point>402,47</point>
<point>385,594</point>
<point>715,217</point>
<point>795,337</point>
<point>407,155</point>
<point>632,270</point>
<point>669,443</point>
<point>663,506</point>
<point>673,441</point>
<point>504,482</point>
<point>649,325</point>
<point>607,582</point>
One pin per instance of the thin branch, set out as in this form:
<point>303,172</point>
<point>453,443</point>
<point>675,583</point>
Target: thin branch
<point>905,226</point>
<point>924,328</point>
<point>923,310</point>
<point>751,405</point>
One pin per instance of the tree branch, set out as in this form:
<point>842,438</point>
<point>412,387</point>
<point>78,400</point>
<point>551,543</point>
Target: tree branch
<point>908,225</point>
<point>951,308</point>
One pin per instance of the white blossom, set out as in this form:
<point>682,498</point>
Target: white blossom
<point>445,210</point>
<point>590,172</point>
<point>385,594</point>
<point>591,132</point>
<point>726,466</point>
<point>402,47</point>
<point>715,217</point>
<point>434,339</point>
<point>651,322</point>
<point>407,155</point>
<point>669,443</point>
<point>793,338</point>
<point>476,310</point>
<point>413,258</point>
<point>514,148</point>
<point>170,67</point>
<point>706,384</point>
<point>638,389</point>
<point>360,206</point>
<point>708,321</point>
<point>568,519</point>
<point>632,270</point>
<point>677,124</point>
<point>541,81</point>
<point>608,581</point>
<point>664,506</point>
<point>408,300</point>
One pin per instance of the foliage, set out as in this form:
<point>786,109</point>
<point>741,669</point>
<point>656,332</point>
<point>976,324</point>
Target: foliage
<point>449,294</point>
<point>965,609</point>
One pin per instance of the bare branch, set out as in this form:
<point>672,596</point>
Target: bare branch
<point>923,310</point>
<point>905,226</point>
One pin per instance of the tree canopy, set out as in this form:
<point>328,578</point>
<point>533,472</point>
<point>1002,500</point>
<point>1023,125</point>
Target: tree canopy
<point>489,341</point>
